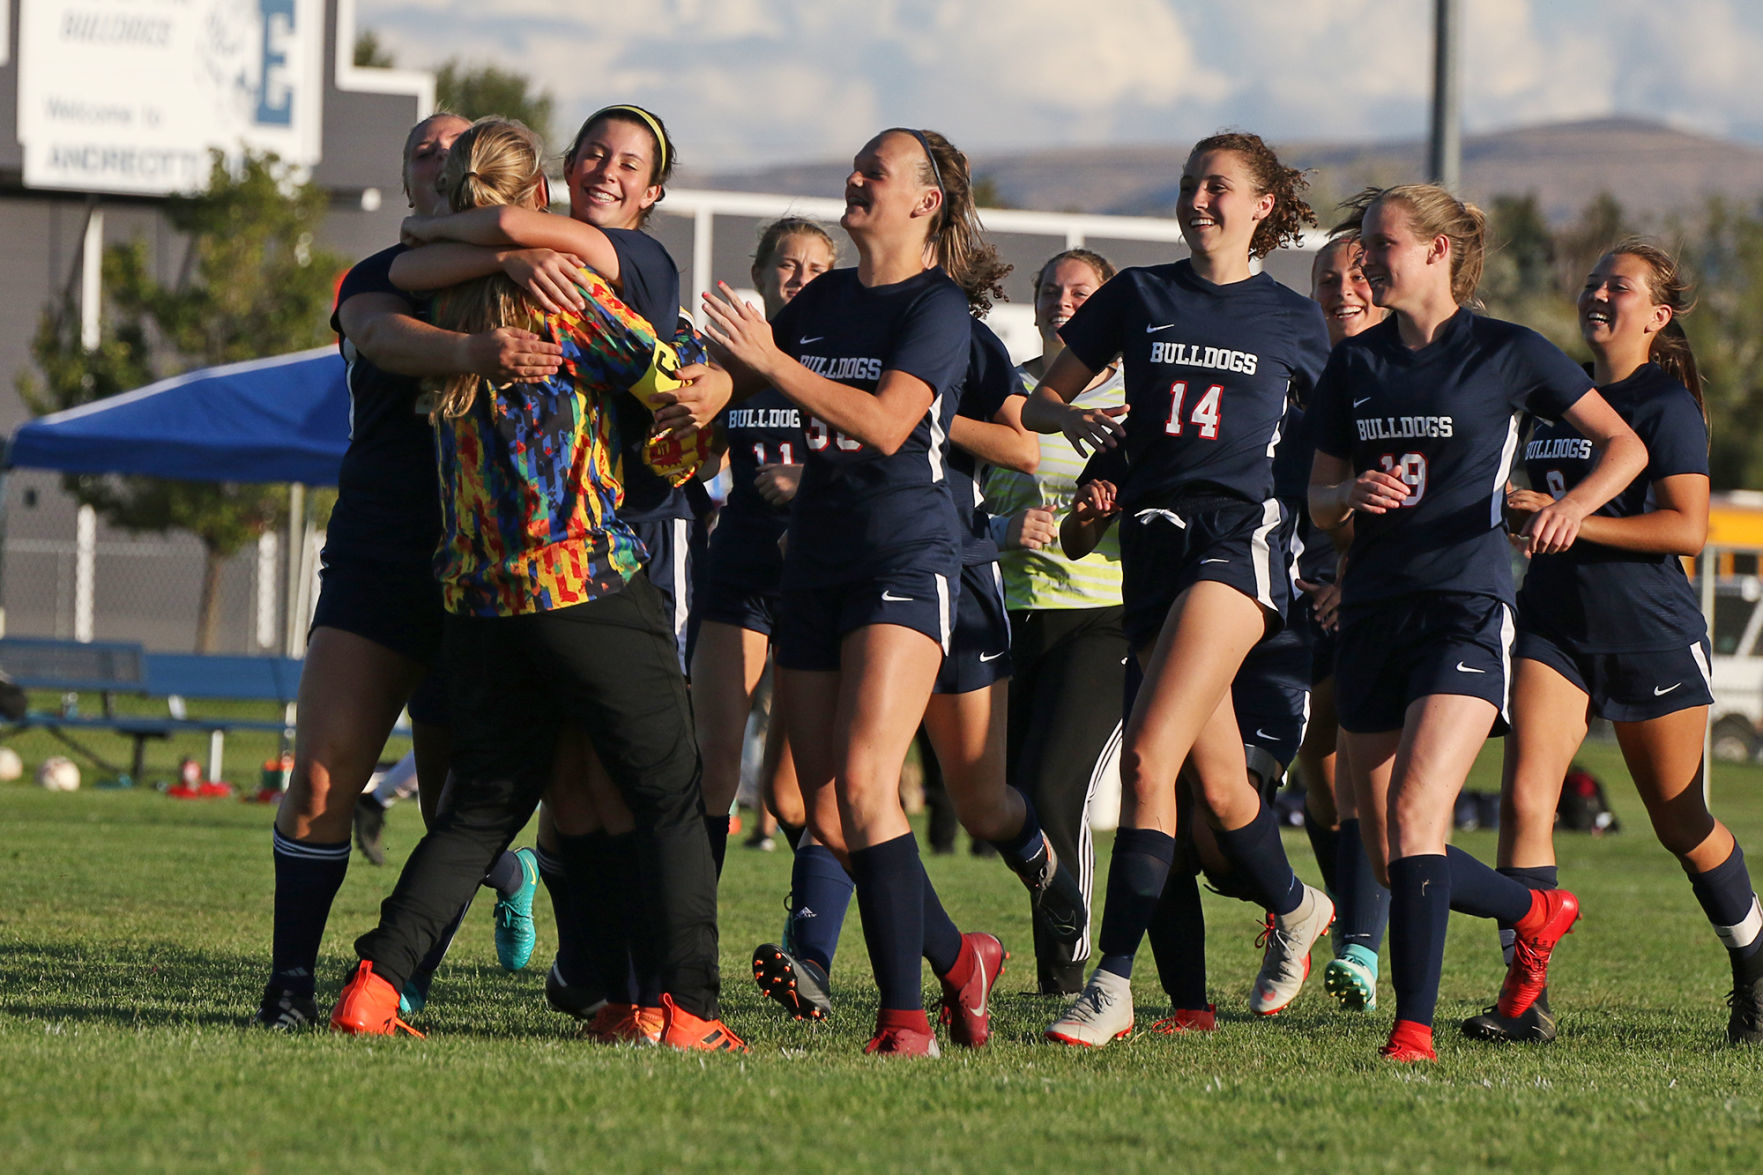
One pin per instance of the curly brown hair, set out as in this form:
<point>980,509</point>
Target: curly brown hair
<point>1285,224</point>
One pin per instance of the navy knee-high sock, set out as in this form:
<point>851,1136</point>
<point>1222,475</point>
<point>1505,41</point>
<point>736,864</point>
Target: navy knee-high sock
<point>820,893</point>
<point>1136,877</point>
<point>717,828</point>
<point>596,896</point>
<point>1364,904</point>
<point>1531,877</point>
<point>1420,909</point>
<point>1726,897</point>
<point>1325,842</point>
<point>307,877</point>
<point>1257,854</point>
<point>571,964</point>
<point>1479,890</point>
<point>1178,941</point>
<point>942,939</point>
<point>506,876</point>
<point>1025,850</point>
<point>890,884</point>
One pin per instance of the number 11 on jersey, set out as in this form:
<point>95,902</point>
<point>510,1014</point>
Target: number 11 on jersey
<point>1205,413</point>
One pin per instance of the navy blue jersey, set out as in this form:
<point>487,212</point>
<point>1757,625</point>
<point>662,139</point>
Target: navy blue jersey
<point>860,512</point>
<point>991,380</point>
<point>388,500</point>
<point>1598,599</point>
<point>765,429</point>
<point>649,284</point>
<point>1208,372</point>
<point>1445,420</point>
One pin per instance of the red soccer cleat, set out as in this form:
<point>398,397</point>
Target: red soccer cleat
<point>1182,1020</point>
<point>902,1034</point>
<point>1409,1044</point>
<point>967,990</point>
<point>368,1006</point>
<point>1552,915</point>
<point>680,1029</point>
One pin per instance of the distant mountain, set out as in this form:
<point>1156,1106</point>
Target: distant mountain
<point>1655,171</point>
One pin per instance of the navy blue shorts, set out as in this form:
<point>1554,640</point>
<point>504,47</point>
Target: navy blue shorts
<point>979,652</point>
<point>1271,695</point>
<point>1629,687</point>
<point>1163,553</point>
<point>1419,645</point>
<point>738,607</point>
<point>813,622</point>
<point>670,544</point>
<point>396,605</point>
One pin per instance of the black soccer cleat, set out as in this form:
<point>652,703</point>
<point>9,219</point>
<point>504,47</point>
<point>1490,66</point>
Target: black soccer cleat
<point>1536,1025</point>
<point>1745,1025</point>
<point>796,984</point>
<point>1056,897</point>
<point>285,1012</point>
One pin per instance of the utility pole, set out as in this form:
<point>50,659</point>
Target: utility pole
<point>1445,153</point>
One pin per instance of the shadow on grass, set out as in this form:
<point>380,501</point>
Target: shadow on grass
<point>161,985</point>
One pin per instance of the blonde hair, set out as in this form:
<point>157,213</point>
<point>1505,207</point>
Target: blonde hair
<point>773,235</point>
<point>1433,212</point>
<point>495,161</point>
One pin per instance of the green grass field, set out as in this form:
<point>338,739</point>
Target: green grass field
<point>134,934</point>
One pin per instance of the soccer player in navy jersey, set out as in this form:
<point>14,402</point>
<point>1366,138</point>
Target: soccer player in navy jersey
<point>1212,353</point>
<point>376,629</point>
<point>616,169</point>
<point>875,357</point>
<point>1416,425</point>
<point>966,718</point>
<point>1612,628</point>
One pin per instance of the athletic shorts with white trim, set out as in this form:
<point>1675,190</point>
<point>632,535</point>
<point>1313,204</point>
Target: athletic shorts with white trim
<point>812,622</point>
<point>1628,687</point>
<point>1163,553</point>
<point>670,545</point>
<point>979,650</point>
<point>1418,645</point>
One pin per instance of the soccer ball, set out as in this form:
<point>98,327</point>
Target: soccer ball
<point>11,766</point>
<point>58,773</point>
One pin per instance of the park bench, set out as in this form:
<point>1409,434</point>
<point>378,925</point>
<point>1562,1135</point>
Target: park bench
<point>111,668</point>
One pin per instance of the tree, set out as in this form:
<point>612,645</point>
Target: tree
<point>479,91</point>
<point>251,284</point>
<point>1725,255</point>
<point>370,53</point>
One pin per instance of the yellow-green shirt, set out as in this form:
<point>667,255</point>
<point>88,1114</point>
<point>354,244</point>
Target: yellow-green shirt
<point>1046,579</point>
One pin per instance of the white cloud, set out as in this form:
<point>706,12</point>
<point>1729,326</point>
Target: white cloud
<point>750,82</point>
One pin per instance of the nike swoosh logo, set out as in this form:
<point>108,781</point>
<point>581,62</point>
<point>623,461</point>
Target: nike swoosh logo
<point>1259,733</point>
<point>1151,330</point>
<point>1462,668</point>
<point>984,657</point>
<point>891,598</point>
<point>815,339</point>
<point>1356,403</point>
<point>1215,560</point>
<point>1659,693</point>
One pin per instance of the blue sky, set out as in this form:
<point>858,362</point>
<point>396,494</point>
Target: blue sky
<point>745,83</point>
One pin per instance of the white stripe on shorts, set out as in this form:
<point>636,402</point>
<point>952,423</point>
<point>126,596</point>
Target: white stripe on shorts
<point>944,620</point>
<point>1261,554</point>
<point>1507,635</point>
<point>682,583</point>
<point>1702,664</point>
<point>1003,606</point>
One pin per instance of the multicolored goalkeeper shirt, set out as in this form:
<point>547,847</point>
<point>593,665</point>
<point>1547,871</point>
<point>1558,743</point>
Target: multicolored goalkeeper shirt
<point>531,475</point>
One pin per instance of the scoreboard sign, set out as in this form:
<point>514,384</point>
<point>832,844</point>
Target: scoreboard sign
<point>129,96</point>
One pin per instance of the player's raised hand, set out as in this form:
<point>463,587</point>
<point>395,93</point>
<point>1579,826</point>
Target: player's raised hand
<point>1093,429</point>
<point>738,329</point>
<point>1031,529</point>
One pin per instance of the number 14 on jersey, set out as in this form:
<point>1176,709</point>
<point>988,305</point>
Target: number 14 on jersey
<point>1204,415</point>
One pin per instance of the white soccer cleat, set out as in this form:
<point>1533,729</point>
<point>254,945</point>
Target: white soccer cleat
<point>1286,963</point>
<point>1101,1014</point>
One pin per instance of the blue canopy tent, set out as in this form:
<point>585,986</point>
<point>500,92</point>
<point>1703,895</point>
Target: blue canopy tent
<point>284,418</point>
<point>279,419</point>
